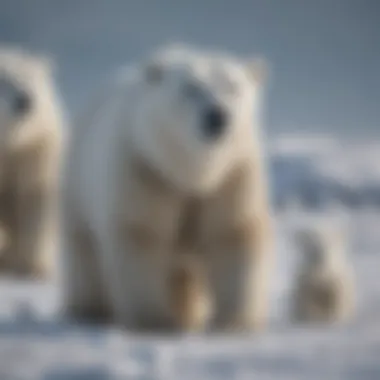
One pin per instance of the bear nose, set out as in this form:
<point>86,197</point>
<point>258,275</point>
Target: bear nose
<point>214,122</point>
<point>22,103</point>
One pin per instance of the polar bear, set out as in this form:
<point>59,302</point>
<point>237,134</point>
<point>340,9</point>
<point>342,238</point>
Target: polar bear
<point>324,286</point>
<point>167,223</point>
<point>31,141</point>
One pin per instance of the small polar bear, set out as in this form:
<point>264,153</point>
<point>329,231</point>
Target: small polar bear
<point>167,222</point>
<point>30,150</point>
<point>324,287</point>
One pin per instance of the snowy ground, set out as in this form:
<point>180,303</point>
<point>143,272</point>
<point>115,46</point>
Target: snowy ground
<point>33,345</point>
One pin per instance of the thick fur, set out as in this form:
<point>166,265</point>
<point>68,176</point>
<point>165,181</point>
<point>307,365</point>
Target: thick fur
<point>31,149</point>
<point>162,229</point>
<point>324,287</point>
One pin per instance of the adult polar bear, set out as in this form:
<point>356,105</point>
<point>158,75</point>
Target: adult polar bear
<point>167,220</point>
<point>32,141</point>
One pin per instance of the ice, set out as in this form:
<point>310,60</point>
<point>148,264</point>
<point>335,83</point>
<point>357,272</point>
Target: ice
<point>34,344</point>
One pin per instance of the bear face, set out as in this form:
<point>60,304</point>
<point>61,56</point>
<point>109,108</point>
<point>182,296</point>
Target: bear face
<point>24,92</point>
<point>197,113</point>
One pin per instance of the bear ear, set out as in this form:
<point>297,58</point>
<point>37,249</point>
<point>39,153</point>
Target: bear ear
<point>153,71</point>
<point>258,69</point>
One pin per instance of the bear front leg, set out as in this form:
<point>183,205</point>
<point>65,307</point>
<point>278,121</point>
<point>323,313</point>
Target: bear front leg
<point>36,233</point>
<point>190,301</point>
<point>240,274</point>
<point>134,275</point>
<point>37,208</point>
<point>4,248</point>
<point>84,298</point>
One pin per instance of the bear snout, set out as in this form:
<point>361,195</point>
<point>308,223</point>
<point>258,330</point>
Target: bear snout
<point>214,122</point>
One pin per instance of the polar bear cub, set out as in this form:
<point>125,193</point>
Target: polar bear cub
<point>31,143</point>
<point>324,287</point>
<point>167,219</point>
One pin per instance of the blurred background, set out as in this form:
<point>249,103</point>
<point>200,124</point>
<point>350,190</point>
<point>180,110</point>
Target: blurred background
<point>322,120</point>
<point>325,54</point>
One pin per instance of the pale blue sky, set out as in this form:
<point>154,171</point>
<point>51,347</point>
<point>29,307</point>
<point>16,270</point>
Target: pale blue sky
<point>325,53</point>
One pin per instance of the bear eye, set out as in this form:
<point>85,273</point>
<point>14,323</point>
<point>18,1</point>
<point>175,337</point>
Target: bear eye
<point>22,103</point>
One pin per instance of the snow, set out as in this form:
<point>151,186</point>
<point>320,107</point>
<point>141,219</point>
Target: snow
<point>35,344</point>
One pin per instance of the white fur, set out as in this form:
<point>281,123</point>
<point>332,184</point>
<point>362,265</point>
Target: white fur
<point>31,145</point>
<point>159,122</point>
<point>324,265</point>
